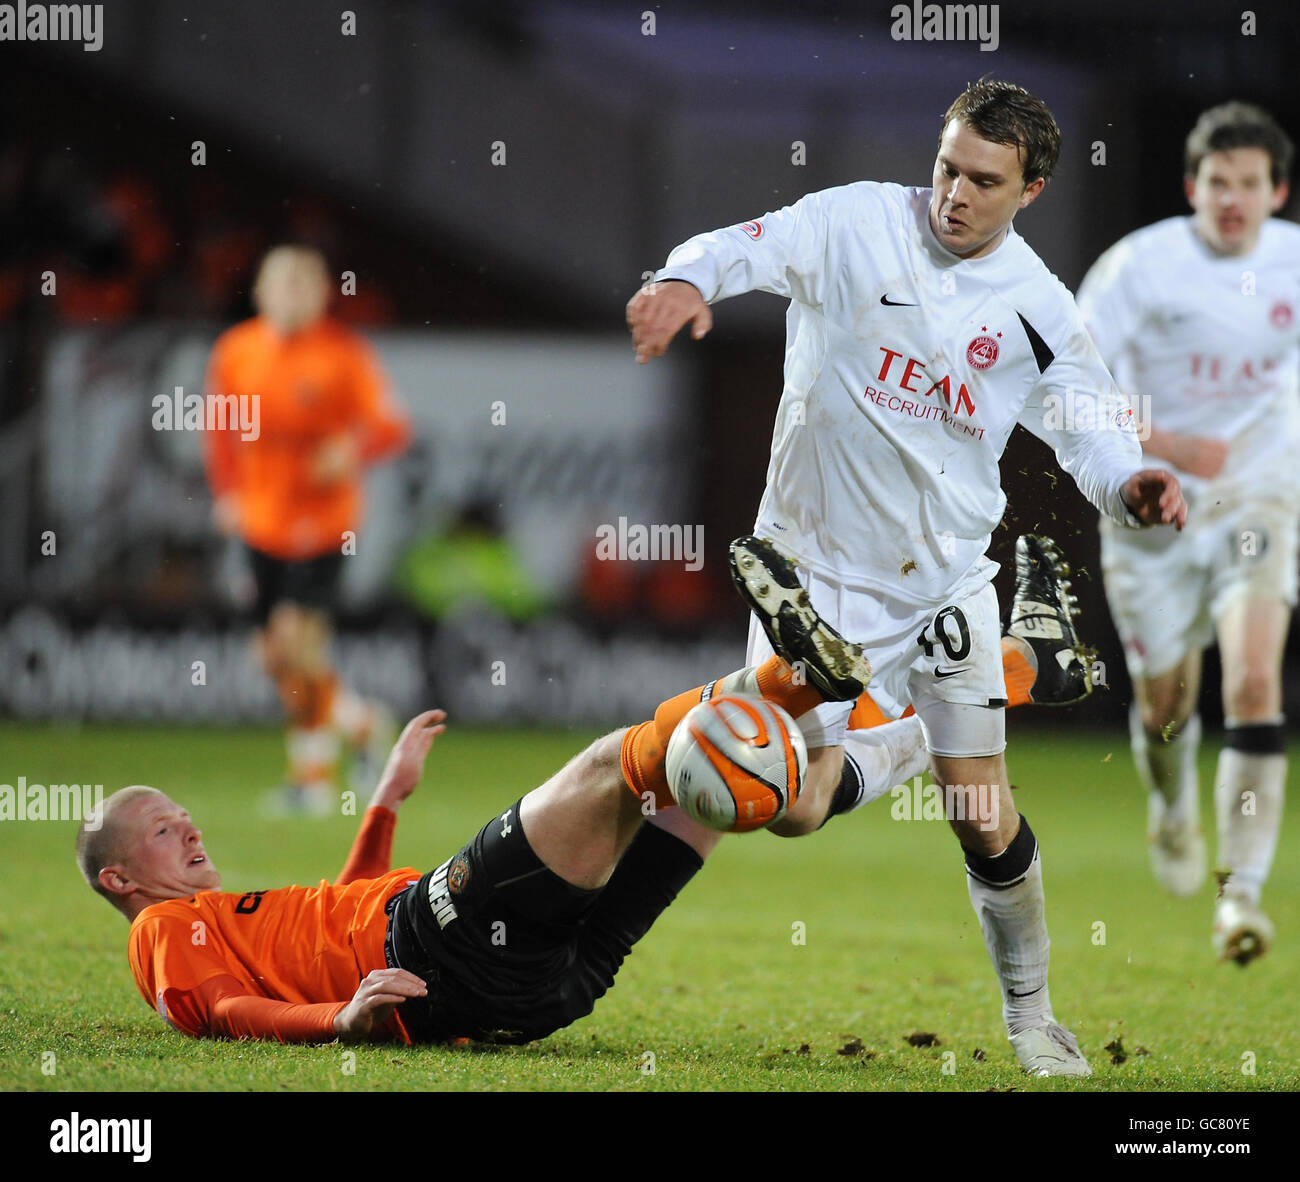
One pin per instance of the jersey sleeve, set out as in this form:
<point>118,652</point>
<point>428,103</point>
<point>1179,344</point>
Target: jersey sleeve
<point>1079,412</point>
<point>219,446</point>
<point>182,976</point>
<point>1110,303</point>
<point>385,429</point>
<point>782,252</point>
<point>221,1008</point>
<point>372,850</point>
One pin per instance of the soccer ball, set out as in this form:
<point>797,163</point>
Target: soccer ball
<point>736,763</point>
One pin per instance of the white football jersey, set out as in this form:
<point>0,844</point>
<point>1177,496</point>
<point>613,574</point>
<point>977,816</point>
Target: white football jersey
<point>906,369</point>
<point>1213,341</point>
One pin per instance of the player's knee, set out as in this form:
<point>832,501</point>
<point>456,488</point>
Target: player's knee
<point>1165,716</point>
<point>1251,693</point>
<point>280,642</point>
<point>601,764</point>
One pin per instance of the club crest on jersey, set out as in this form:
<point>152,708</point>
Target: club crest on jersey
<point>753,229</point>
<point>1281,314</point>
<point>444,910</point>
<point>982,352</point>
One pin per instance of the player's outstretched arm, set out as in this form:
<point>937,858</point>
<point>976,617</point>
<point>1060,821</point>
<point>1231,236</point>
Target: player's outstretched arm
<point>1155,497</point>
<point>405,763</point>
<point>659,310</point>
<point>371,853</point>
<point>379,994</point>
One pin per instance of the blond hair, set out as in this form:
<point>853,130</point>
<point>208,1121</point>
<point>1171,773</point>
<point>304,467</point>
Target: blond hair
<point>99,840</point>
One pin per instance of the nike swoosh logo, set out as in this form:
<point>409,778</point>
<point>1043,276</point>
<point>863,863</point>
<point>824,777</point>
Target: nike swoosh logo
<point>884,299</point>
<point>1029,994</point>
<point>945,672</point>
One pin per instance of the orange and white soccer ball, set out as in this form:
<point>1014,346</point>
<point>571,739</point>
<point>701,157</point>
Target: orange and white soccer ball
<point>736,763</point>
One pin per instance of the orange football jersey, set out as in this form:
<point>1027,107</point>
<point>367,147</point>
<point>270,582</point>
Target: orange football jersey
<point>310,946</point>
<point>310,387</point>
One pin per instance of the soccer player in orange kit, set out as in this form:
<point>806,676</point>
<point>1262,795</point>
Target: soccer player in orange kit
<point>511,938</point>
<point>293,494</point>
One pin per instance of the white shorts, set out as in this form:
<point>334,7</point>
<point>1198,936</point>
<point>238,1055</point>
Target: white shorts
<point>1166,590</point>
<point>945,662</point>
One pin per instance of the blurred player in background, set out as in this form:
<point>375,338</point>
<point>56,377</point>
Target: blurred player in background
<point>1199,317</point>
<point>921,328</point>
<point>294,496</point>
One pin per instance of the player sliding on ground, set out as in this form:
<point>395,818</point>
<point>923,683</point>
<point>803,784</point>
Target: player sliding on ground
<point>516,935</point>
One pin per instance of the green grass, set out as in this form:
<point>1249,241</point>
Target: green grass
<point>718,993</point>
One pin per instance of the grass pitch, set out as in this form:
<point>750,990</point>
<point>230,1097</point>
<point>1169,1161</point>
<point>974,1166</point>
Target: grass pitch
<point>720,995</point>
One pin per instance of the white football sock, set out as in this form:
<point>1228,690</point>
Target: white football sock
<point>1248,795</point>
<point>1014,924</point>
<point>742,681</point>
<point>887,755</point>
<point>312,754</point>
<point>353,716</point>
<point>1169,768</point>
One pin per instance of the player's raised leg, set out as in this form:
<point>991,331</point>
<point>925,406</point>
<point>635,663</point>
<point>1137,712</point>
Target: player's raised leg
<point>1044,663</point>
<point>583,818</point>
<point>813,666</point>
<point>1250,781</point>
<point>1043,660</point>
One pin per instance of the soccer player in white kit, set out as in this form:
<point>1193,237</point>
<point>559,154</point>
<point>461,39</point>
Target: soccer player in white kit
<point>921,329</point>
<point>1199,317</point>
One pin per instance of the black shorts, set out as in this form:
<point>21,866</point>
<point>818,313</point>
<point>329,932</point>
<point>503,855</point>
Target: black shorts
<point>312,583</point>
<point>510,951</point>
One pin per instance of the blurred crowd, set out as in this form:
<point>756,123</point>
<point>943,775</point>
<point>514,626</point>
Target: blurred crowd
<point>119,248</point>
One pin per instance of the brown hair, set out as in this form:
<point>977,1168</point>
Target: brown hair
<point>1004,113</point>
<point>1239,125</point>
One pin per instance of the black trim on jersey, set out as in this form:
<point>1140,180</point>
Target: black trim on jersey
<point>997,702</point>
<point>1042,354</point>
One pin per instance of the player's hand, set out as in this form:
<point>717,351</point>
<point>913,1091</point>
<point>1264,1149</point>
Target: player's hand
<point>225,514</point>
<point>405,763</point>
<point>1155,498</point>
<point>378,995</point>
<point>658,311</point>
<point>338,458</point>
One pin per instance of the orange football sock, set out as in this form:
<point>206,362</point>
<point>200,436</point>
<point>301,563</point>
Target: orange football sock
<point>1019,673</point>
<point>776,683</point>
<point>866,714</point>
<point>1016,669</point>
<point>645,746</point>
<point>321,690</point>
<point>294,697</point>
<point>308,700</point>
